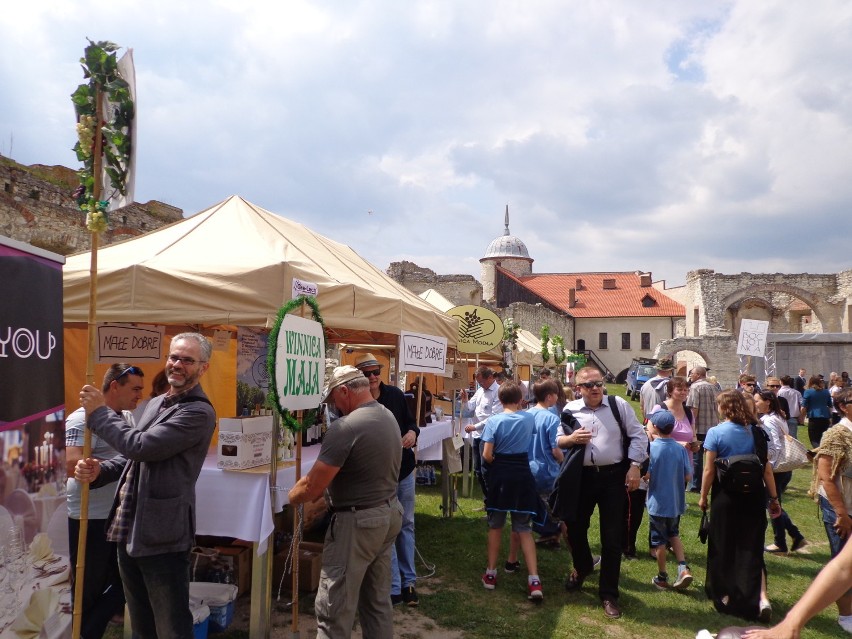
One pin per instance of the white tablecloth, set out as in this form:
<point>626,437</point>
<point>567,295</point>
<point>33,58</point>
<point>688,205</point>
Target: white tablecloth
<point>429,442</point>
<point>45,505</point>
<point>56,576</point>
<point>237,504</point>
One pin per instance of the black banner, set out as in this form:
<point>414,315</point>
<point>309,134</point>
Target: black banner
<point>31,363</point>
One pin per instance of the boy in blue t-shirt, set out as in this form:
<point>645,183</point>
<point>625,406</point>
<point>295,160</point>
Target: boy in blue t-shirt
<point>668,473</point>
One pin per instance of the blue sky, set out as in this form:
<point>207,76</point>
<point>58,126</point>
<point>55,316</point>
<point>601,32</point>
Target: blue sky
<point>662,135</point>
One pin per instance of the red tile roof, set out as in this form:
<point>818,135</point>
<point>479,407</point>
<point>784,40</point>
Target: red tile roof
<point>593,300</point>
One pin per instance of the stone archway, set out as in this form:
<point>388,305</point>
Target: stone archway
<point>718,351</point>
<point>827,313</point>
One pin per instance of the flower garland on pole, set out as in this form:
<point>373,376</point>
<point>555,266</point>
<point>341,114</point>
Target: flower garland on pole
<point>100,68</point>
<point>103,144</point>
<point>509,344</point>
<point>545,343</point>
<point>292,424</point>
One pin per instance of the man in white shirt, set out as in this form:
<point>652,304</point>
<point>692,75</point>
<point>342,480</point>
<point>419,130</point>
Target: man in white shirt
<point>481,406</point>
<point>605,474</point>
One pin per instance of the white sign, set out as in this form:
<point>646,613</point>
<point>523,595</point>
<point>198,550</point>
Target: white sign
<point>752,339</point>
<point>221,340</point>
<point>299,363</point>
<point>127,343</point>
<point>304,288</point>
<point>422,353</point>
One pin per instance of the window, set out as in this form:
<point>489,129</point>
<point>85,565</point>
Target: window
<point>581,344</point>
<point>625,341</point>
<point>646,341</point>
<point>602,341</point>
<point>648,301</point>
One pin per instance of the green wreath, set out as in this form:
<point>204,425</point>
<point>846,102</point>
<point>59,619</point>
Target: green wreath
<point>287,418</point>
<point>100,68</point>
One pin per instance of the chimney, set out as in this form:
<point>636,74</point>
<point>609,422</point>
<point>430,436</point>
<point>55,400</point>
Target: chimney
<point>609,283</point>
<point>572,297</point>
<point>579,284</point>
<point>645,280</point>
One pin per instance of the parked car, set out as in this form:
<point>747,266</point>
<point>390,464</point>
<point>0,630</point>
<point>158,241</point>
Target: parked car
<point>640,371</point>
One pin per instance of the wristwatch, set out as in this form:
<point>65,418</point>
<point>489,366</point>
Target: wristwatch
<point>637,464</point>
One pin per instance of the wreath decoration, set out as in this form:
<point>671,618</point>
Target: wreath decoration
<point>292,424</point>
<point>100,67</point>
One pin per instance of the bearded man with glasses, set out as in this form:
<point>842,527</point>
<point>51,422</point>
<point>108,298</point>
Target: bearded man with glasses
<point>103,596</point>
<point>612,451</point>
<point>152,519</point>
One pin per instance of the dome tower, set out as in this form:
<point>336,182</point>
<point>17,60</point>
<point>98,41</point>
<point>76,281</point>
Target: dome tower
<point>508,252</point>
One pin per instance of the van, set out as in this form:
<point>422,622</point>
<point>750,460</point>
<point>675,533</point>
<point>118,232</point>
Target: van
<point>640,371</point>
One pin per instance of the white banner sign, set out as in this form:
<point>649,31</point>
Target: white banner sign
<point>299,363</point>
<point>126,343</point>
<point>422,353</point>
<point>752,339</point>
<point>304,288</point>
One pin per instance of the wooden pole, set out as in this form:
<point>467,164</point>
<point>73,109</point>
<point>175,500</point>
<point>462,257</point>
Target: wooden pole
<point>294,622</point>
<point>77,618</point>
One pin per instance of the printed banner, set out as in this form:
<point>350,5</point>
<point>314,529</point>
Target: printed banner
<point>480,330</point>
<point>752,339</point>
<point>31,364</point>
<point>299,363</point>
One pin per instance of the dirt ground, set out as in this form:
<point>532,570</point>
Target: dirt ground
<point>408,623</point>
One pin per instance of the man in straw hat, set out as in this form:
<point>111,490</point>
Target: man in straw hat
<point>358,466</point>
<point>403,574</point>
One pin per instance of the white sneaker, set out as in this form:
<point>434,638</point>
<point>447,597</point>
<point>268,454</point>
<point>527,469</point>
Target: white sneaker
<point>684,579</point>
<point>846,624</point>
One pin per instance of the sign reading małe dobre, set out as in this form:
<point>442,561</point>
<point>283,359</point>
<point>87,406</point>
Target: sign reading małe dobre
<point>422,353</point>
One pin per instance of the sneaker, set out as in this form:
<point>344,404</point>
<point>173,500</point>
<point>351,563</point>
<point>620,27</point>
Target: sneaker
<point>798,544</point>
<point>775,549</point>
<point>535,593</point>
<point>512,566</point>
<point>489,581</point>
<point>661,581</point>
<point>765,614</point>
<point>846,624</point>
<point>684,579</point>
<point>596,562</point>
<point>409,596</point>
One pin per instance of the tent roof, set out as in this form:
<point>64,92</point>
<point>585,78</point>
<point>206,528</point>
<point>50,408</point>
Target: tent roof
<point>234,264</point>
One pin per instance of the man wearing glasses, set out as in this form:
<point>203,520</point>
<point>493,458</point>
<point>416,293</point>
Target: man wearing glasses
<point>481,406</point>
<point>611,461</point>
<point>403,573</point>
<point>358,466</point>
<point>103,595</point>
<point>153,513</point>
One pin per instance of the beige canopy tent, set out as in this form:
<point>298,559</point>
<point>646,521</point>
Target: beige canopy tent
<point>233,265</point>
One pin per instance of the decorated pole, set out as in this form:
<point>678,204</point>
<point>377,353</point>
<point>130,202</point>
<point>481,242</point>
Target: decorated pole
<point>104,84</point>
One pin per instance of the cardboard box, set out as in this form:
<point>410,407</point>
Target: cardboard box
<point>238,559</point>
<point>244,442</point>
<point>310,565</point>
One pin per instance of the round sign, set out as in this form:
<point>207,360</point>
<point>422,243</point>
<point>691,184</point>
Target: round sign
<point>480,330</point>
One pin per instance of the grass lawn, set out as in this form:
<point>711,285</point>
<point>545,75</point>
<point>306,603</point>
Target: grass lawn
<point>454,596</point>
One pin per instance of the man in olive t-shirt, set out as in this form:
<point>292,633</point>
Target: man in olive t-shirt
<point>358,465</point>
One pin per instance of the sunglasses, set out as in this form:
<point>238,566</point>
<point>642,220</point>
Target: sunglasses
<point>130,370</point>
<point>372,373</point>
<point>773,386</point>
<point>591,385</point>
<point>749,384</point>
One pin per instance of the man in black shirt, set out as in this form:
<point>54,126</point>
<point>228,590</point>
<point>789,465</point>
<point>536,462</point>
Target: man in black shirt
<point>403,575</point>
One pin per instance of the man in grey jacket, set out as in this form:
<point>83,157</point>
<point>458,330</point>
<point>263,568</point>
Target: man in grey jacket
<point>153,514</point>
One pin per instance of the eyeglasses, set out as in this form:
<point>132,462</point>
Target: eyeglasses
<point>130,370</point>
<point>186,361</point>
<point>372,373</point>
<point>591,385</point>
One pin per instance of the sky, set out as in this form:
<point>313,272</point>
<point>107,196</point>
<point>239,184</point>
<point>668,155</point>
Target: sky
<point>662,135</point>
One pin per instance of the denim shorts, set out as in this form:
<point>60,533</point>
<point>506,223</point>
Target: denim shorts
<point>663,529</point>
<point>521,522</point>
<point>835,541</point>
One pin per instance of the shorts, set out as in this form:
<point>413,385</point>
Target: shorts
<point>835,541</point>
<point>521,522</point>
<point>663,529</point>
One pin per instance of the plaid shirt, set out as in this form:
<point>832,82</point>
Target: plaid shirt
<point>120,527</point>
<point>702,396</point>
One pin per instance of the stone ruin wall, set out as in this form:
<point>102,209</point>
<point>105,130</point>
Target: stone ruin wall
<point>459,289</point>
<point>37,207</point>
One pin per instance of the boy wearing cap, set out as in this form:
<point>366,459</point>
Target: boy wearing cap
<point>667,475</point>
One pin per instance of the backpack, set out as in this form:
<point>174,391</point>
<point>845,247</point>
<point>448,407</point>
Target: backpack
<point>743,474</point>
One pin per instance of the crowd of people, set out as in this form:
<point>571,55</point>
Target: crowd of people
<point>595,455</point>
<point>546,458</point>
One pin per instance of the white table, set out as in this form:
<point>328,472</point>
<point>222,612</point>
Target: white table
<point>238,504</point>
<point>54,576</point>
<point>431,436</point>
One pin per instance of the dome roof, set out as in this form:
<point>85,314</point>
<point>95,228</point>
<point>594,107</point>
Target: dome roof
<point>507,245</point>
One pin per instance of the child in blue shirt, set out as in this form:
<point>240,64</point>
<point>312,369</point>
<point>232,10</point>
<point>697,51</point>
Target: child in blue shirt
<point>669,471</point>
